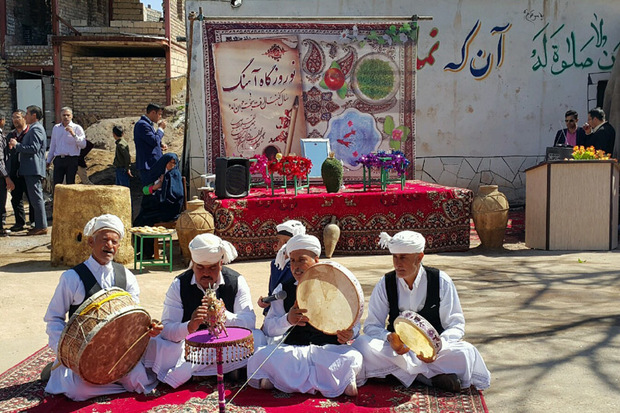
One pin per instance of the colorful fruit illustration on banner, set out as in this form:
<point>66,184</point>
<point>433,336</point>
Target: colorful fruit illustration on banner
<point>334,79</point>
<point>398,135</point>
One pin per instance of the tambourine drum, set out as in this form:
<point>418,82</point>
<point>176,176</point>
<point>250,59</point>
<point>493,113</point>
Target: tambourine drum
<point>332,295</point>
<point>105,337</point>
<point>201,347</point>
<point>418,334</point>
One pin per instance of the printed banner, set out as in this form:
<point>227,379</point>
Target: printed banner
<point>356,84</point>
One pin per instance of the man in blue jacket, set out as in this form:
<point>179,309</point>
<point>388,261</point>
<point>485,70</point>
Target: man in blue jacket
<point>147,135</point>
<point>32,166</point>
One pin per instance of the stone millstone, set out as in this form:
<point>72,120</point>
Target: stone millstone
<point>74,206</point>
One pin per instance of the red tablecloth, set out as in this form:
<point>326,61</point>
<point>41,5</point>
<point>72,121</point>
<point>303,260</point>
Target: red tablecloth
<point>440,213</point>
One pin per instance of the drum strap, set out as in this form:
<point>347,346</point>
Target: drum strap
<point>430,311</point>
<point>91,286</point>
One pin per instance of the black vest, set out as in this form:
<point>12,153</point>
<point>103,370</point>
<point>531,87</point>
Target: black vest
<point>191,295</point>
<point>91,286</point>
<point>430,311</point>
<point>303,335</point>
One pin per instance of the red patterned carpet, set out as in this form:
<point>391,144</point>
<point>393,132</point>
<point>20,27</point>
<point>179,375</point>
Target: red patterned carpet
<point>21,390</point>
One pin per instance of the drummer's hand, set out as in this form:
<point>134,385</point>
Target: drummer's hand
<point>198,317</point>
<point>344,336</point>
<point>397,345</point>
<point>296,316</point>
<point>261,304</point>
<point>156,328</point>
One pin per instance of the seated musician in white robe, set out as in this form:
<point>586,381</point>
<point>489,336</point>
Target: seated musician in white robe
<point>281,266</point>
<point>308,360</point>
<point>432,294</point>
<point>75,286</point>
<point>184,311</point>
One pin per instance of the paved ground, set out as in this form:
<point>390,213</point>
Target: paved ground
<point>547,323</point>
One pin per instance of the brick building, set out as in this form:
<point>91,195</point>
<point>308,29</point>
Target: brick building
<point>104,58</point>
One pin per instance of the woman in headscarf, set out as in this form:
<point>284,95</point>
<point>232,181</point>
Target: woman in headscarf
<point>163,198</point>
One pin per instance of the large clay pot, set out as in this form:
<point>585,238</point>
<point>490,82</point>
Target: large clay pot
<point>331,235</point>
<point>193,221</point>
<point>490,213</point>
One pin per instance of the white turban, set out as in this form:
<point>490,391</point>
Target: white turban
<point>209,249</point>
<point>405,242</point>
<point>304,242</point>
<point>291,228</point>
<point>105,221</point>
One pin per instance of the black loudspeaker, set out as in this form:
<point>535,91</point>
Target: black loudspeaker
<point>232,177</point>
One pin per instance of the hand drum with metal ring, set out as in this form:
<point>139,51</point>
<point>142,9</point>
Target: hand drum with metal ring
<point>418,334</point>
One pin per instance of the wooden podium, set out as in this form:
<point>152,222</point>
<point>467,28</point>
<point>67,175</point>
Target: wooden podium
<point>572,205</point>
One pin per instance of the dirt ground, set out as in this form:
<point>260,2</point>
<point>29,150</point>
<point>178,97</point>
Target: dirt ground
<point>546,322</point>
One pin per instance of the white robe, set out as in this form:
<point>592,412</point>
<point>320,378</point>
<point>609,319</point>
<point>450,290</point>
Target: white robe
<point>327,369</point>
<point>166,353</point>
<point>70,291</point>
<point>456,356</point>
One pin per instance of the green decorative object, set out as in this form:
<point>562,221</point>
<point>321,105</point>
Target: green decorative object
<point>331,172</point>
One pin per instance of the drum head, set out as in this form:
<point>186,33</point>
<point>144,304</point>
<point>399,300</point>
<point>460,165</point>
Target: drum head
<point>109,344</point>
<point>416,338</point>
<point>332,295</point>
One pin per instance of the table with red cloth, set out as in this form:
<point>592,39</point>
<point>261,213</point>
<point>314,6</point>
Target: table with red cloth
<point>438,212</point>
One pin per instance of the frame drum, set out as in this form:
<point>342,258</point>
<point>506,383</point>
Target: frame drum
<point>418,334</point>
<point>332,295</point>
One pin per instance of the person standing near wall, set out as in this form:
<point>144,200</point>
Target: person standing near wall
<point>17,194</point>
<point>31,152</point>
<point>599,133</point>
<point>122,158</point>
<point>572,134</point>
<point>147,136</point>
<point>68,139</point>
<point>6,184</point>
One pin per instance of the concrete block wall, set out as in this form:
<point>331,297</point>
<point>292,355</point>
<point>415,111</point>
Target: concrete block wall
<point>128,10</point>
<point>109,87</point>
<point>94,12</point>
<point>29,56</point>
<point>177,20</point>
<point>6,99</point>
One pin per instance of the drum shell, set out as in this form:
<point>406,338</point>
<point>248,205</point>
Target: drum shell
<point>91,343</point>
<point>329,311</point>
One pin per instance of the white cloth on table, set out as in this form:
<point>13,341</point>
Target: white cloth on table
<point>328,369</point>
<point>70,291</point>
<point>456,356</point>
<point>165,354</point>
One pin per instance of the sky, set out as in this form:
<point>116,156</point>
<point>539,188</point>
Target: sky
<point>155,4</point>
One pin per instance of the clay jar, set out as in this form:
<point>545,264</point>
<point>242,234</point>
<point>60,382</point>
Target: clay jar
<point>193,221</point>
<point>490,213</point>
<point>331,235</point>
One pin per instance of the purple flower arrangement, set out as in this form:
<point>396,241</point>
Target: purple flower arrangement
<point>395,160</point>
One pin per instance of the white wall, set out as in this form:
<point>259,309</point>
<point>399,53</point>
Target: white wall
<point>472,130</point>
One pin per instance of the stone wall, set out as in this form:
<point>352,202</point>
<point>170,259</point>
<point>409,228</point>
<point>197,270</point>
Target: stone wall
<point>6,99</point>
<point>112,87</point>
<point>29,56</point>
<point>128,10</point>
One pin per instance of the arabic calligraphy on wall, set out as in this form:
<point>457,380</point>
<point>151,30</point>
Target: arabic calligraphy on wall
<point>482,62</point>
<point>562,49</point>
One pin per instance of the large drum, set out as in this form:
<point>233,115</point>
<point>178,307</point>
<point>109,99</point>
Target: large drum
<point>105,337</point>
<point>332,295</point>
<point>418,334</point>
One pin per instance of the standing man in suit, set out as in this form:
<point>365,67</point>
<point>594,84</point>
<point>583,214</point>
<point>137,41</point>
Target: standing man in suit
<point>31,152</point>
<point>572,134</point>
<point>599,133</point>
<point>147,135</point>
